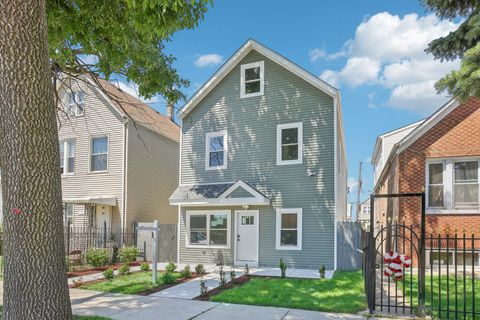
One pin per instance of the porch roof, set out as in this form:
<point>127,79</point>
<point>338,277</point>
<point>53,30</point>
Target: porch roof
<point>107,201</point>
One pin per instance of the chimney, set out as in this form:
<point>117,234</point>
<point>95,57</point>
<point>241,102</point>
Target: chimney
<point>170,110</point>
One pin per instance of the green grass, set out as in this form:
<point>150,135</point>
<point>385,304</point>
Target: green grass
<point>74,317</point>
<point>128,284</point>
<point>442,302</point>
<point>343,293</point>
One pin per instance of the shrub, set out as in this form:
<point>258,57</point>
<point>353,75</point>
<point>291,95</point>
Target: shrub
<point>114,254</point>
<point>171,267</point>
<point>145,266</point>
<point>321,271</point>
<point>222,277</point>
<point>168,278</point>
<point>108,274</point>
<point>283,268</point>
<point>97,257</point>
<point>203,288</point>
<point>124,269</point>
<point>186,273</point>
<point>233,275</point>
<point>128,254</point>
<point>200,269</point>
<point>247,270</point>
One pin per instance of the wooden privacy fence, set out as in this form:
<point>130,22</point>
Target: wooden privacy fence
<point>167,241</point>
<point>349,242</point>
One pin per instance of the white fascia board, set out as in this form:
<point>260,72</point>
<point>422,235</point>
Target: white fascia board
<point>241,184</point>
<point>221,202</point>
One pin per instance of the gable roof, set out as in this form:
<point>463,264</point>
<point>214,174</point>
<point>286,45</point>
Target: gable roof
<point>230,64</point>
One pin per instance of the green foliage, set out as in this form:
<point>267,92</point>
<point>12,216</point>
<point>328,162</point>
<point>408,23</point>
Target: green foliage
<point>247,270</point>
<point>222,276</point>
<point>168,278</point>
<point>321,271</point>
<point>97,257</point>
<point>114,254</point>
<point>108,274</point>
<point>125,37</point>
<point>171,267</point>
<point>283,268</point>
<point>203,287</point>
<point>233,275</point>
<point>128,254</point>
<point>145,266</point>
<point>124,269</point>
<point>186,272</point>
<point>200,269</point>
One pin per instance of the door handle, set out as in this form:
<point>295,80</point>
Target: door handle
<point>238,237</point>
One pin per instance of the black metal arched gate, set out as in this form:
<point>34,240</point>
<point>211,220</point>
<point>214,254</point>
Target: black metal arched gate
<point>386,293</point>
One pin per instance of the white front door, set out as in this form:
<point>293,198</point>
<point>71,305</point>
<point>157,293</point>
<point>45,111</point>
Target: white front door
<point>246,226</point>
<point>103,214</point>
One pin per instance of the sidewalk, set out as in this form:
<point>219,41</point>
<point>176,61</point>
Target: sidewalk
<point>127,307</point>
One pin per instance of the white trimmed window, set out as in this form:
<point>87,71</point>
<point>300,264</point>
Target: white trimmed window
<point>99,154</point>
<point>208,229</point>
<point>289,229</point>
<point>67,157</point>
<point>453,185</point>
<point>252,79</point>
<point>68,213</point>
<point>216,150</point>
<point>76,103</point>
<point>290,143</point>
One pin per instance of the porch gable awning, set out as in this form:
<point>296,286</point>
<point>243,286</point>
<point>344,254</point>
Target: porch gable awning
<point>237,193</point>
<point>107,201</point>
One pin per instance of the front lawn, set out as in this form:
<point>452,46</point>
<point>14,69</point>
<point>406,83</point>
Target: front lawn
<point>343,293</point>
<point>133,283</point>
<point>74,317</point>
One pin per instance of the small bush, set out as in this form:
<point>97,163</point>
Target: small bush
<point>108,274</point>
<point>247,270</point>
<point>97,257</point>
<point>114,254</point>
<point>233,275</point>
<point>171,267</point>
<point>222,277</point>
<point>128,254</point>
<point>124,269</point>
<point>186,273</point>
<point>321,271</point>
<point>145,266</point>
<point>203,288</point>
<point>168,278</point>
<point>283,268</point>
<point>200,269</point>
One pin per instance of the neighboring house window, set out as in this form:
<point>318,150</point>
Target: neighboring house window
<point>289,229</point>
<point>443,258</point>
<point>216,150</point>
<point>289,143</point>
<point>67,157</point>
<point>209,228</point>
<point>76,103</point>
<point>99,154</point>
<point>68,213</point>
<point>452,184</point>
<point>252,79</point>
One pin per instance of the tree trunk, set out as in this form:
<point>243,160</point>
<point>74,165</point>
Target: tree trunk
<point>35,282</point>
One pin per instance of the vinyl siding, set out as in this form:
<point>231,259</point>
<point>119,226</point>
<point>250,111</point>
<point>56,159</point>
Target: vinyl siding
<point>100,119</point>
<point>152,176</point>
<point>251,124</point>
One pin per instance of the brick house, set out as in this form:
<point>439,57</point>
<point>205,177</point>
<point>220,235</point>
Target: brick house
<point>441,156</point>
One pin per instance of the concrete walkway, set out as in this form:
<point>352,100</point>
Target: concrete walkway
<point>127,307</point>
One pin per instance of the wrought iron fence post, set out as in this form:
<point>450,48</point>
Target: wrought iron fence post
<point>421,267</point>
<point>371,258</point>
<point>104,234</point>
<point>68,246</point>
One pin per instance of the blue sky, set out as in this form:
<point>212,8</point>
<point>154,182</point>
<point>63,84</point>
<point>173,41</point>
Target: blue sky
<point>371,50</point>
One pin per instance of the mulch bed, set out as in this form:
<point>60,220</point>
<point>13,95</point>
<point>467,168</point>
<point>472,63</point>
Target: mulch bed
<point>86,272</point>
<point>229,285</point>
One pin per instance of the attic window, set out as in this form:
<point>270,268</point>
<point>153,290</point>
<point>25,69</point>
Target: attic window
<point>252,79</point>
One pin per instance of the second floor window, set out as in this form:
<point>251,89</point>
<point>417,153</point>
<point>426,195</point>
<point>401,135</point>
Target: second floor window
<point>216,150</point>
<point>76,103</point>
<point>99,154</point>
<point>67,157</point>
<point>252,79</point>
<point>289,143</point>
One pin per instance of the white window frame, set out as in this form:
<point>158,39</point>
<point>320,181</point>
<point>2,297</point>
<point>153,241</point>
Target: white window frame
<point>448,189</point>
<point>65,156</point>
<point>281,211</point>
<point>427,183</point>
<point>208,136</point>
<point>207,213</point>
<point>280,128</point>
<point>243,68</point>
<point>65,215</point>
<point>72,108</point>
<point>90,154</point>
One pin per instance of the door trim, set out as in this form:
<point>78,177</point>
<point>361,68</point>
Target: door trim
<point>257,227</point>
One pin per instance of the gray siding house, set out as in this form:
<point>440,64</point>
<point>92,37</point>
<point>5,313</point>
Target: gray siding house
<point>118,157</point>
<point>262,166</point>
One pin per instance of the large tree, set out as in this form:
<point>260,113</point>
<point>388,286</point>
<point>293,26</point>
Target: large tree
<point>462,43</point>
<point>41,40</point>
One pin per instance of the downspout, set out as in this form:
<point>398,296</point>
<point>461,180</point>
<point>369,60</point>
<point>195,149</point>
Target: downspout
<point>124,178</point>
<point>335,180</point>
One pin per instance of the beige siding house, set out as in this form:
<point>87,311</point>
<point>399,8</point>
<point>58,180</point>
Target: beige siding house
<point>119,157</point>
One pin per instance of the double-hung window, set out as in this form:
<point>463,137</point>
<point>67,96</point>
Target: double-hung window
<point>465,184</point>
<point>99,154</point>
<point>67,157</point>
<point>68,212</point>
<point>216,151</point>
<point>76,103</point>
<point>252,79</point>
<point>435,185</point>
<point>289,143</point>
<point>208,228</point>
<point>289,229</point>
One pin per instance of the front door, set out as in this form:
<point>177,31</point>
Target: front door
<point>246,226</point>
<point>103,213</point>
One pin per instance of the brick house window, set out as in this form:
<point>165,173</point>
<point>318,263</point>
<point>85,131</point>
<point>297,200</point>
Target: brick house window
<point>435,185</point>
<point>465,184</point>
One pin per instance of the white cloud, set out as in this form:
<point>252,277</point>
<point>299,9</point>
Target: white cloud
<point>316,54</point>
<point>388,50</point>
<point>352,184</point>
<point>208,60</point>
